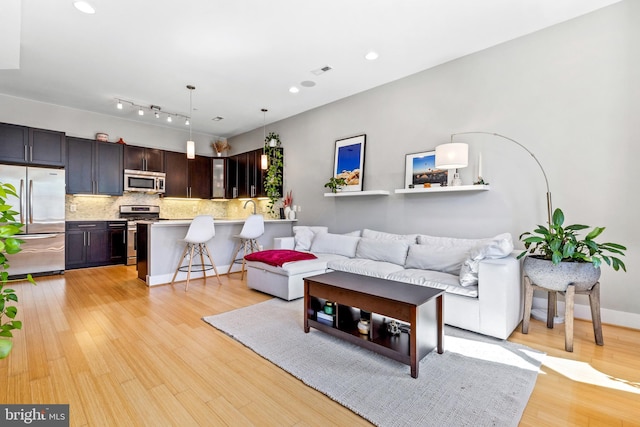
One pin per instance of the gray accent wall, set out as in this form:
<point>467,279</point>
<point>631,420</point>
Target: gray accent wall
<point>569,93</point>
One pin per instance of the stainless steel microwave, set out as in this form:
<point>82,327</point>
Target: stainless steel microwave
<point>144,181</point>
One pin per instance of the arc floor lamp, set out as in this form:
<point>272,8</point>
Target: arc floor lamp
<point>454,155</point>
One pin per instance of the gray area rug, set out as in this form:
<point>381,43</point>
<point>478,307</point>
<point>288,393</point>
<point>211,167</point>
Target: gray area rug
<point>477,381</point>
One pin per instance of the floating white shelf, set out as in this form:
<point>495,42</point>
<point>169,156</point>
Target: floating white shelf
<point>358,193</point>
<point>442,189</point>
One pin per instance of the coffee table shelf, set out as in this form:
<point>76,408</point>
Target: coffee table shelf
<point>418,306</point>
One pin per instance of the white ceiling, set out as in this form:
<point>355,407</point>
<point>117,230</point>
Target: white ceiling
<point>243,55</point>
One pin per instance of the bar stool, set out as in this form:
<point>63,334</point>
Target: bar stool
<point>594,302</point>
<point>201,230</point>
<point>252,229</point>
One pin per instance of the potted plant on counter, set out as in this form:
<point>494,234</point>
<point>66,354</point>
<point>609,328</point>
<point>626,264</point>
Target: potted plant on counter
<point>558,257</point>
<point>8,245</point>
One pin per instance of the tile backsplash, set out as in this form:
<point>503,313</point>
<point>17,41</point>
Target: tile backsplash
<point>80,208</point>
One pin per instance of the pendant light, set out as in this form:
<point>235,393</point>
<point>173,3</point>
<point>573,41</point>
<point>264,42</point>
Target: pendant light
<point>191,145</point>
<point>264,159</point>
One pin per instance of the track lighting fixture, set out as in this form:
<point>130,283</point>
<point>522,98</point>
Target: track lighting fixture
<point>155,109</point>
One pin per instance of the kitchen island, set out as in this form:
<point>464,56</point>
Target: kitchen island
<point>160,246</point>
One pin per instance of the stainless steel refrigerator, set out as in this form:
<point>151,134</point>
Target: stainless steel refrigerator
<point>40,208</point>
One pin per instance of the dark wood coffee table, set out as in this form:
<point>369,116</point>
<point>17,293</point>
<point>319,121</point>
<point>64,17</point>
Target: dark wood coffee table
<point>419,306</point>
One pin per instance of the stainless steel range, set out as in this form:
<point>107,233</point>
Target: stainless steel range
<point>133,214</point>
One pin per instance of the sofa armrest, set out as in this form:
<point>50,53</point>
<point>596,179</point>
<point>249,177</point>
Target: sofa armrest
<point>284,243</point>
<point>500,295</point>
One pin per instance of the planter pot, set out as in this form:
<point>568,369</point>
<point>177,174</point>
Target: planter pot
<point>544,273</point>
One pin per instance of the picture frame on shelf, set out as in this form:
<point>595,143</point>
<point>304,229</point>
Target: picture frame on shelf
<point>420,169</point>
<point>349,162</point>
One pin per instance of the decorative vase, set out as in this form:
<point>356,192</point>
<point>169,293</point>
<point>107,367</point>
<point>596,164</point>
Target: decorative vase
<point>282,214</point>
<point>456,180</point>
<point>363,326</point>
<point>557,277</point>
<point>292,214</point>
<point>287,210</point>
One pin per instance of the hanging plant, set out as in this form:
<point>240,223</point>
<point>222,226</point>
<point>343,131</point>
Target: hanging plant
<point>273,177</point>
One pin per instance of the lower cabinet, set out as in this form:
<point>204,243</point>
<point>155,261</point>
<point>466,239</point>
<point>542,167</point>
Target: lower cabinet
<point>95,243</point>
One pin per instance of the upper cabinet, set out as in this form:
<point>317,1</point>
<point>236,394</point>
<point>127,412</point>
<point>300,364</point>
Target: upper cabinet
<point>30,146</point>
<point>187,178</point>
<point>219,177</point>
<point>245,178</point>
<point>94,167</point>
<point>143,158</point>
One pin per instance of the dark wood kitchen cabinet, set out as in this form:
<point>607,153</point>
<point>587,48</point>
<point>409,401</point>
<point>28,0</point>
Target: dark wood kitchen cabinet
<point>86,244</point>
<point>245,177</point>
<point>143,158</point>
<point>31,146</point>
<point>187,178</point>
<point>94,167</point>
<point>95,243</point>
<point>117,242</point>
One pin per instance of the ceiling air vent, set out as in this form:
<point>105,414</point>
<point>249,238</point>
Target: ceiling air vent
<point>217,118</point>
<point>322,70</point>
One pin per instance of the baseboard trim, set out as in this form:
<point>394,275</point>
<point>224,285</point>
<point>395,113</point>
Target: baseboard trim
<point>582,311</point>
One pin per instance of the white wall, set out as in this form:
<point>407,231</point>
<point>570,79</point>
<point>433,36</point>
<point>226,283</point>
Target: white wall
<point>569,93</point>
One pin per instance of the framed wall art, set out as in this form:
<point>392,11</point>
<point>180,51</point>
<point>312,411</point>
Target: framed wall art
<point>420,169</point>
<point>349,162</point>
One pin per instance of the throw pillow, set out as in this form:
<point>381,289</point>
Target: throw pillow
<point>372,234</point>
<point>303,236</point>
<point>329,243</point>
<point>438,258</point>
<point>394,251</point>
<point>499,246</point>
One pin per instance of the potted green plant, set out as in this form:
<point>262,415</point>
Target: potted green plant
<point>8,245</point>
<point>335,184</point>
<point>559,257</point>
<point>273,178</point>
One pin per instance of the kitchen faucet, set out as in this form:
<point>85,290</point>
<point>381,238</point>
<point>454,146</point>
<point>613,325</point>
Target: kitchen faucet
<point>254,205</point>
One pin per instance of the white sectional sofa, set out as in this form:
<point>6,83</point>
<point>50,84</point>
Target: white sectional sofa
<point>481,277</point>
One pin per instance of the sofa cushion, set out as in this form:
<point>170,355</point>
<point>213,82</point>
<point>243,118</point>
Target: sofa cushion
<point>447,242</point>
<point>329,243</point>
<point>372,234</point>
<point>394,251</point>
<point>364,267</point>
<point>435,279</point>
<point>303,236</point>
<point>447,259</point>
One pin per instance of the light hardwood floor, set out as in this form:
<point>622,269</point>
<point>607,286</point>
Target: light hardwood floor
<point>123,354</point>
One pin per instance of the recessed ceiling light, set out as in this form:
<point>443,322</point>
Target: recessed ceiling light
<point>308,83</point>
<point>371,55</point>
<point>84,7</point>
<point>294,89</point>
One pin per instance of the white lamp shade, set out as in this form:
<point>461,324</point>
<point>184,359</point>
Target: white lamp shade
<point>191,150</point>
<point>264,162</point>
<point>452,155</point>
